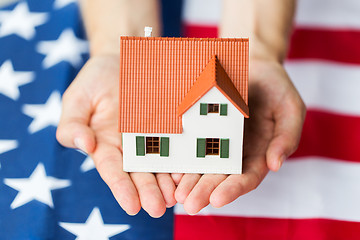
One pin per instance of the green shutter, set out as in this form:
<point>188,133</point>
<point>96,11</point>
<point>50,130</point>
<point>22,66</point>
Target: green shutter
<point>140,146</point>
<point>223,109</point>
<point>200,147</point>
<point>224,148</point>
<point>164,147</point>
<point>203,109</point>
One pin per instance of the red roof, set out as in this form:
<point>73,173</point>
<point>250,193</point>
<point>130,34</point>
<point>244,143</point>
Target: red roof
<point>213,75</point>
<point>157,73</point>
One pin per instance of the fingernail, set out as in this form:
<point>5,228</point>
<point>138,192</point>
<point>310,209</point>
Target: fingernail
<point>131,214</point>
<point>281,160</point>
<point>192,214</point>
<point>169,205</point>
<point>79,143</point>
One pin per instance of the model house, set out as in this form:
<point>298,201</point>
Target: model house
<point>182,104</point>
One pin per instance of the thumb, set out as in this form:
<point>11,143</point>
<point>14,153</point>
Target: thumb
<point>73,130</point>
<point>288,127</point>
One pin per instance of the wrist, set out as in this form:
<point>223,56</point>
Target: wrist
<point>104,46</point>
<point>262,50</point>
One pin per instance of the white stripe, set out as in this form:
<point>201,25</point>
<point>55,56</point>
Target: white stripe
<point>202,12</point>
<point>328,13</point>
<point>329,86</point>
<point>310,13</point>
<point>303,188</point>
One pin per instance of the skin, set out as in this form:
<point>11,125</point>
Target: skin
<point>271,134</point>
<point>276,110</point>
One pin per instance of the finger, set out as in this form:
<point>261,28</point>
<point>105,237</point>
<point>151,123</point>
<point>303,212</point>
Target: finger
<point>177,177</point>
<point>109,165</point>
<point>235,185</point>
<point>287,133</point>
<point>199,197</point>
<point>187,183</point>
<point>73,130</point>
<point>151,198</point>
<point>167,187</point>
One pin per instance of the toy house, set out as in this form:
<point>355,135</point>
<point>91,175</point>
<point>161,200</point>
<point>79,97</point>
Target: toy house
<point>182,104</point>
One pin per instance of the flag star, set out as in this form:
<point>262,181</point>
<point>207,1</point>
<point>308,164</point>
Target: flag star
<point>21,21</point>
<point>62,3</point>
<point>88,164</point>
<point>44,115</point>
<point>37,187</point>
<point>94,228</point>
<point>66,48</point>
<point>7,145</point>
<point>11,80</point>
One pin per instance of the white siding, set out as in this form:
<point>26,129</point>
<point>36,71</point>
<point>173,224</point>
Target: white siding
<point>182,147</point>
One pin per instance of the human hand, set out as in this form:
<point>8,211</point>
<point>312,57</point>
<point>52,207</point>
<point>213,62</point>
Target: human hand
<point>89,122</point>
<point>271,134</point>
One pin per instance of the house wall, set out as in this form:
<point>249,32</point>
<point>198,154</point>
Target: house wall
<point>182,147</point>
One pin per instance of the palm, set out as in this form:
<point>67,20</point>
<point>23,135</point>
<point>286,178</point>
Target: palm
<point>276,115</point>
<point>96,89</point>
<point>265,101</point>
<point>102,92</point>
<point>90,112</point>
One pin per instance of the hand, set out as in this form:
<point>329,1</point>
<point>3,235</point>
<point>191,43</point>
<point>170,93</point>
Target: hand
<point>271,134</point>
<point>89,122</point>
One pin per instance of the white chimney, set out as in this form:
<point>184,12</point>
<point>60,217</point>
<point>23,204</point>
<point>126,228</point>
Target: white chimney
<point>148,31</point>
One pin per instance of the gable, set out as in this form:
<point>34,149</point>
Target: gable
<point>213,75</point>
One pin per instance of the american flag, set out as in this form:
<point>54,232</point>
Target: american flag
<point>50,192</point>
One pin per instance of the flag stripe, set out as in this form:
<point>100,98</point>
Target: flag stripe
<point>231,228</point>
<point>202,12</point>
<point>328,13</point>
<point>330,135</point>
<point>329,86</point>
<point>200,31</point>
<point>305,43</point>
<point>304,188</point>
<point>339,45</point>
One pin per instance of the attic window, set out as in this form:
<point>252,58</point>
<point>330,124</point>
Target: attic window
<point>212,146</point>
<point>152,145</point>
<point>213,108</point>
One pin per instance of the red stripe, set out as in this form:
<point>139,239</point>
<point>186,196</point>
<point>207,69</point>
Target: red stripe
<point>231,228</point>
<point>334,45</point>
<point>330,135</point>
<point>200,31</point>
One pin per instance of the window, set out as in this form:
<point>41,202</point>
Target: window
<point>206,108</point>
<point>212,146</point>
<point>213,108</point>
<point>152,145</point>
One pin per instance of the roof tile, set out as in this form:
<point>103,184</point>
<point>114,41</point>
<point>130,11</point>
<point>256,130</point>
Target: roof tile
<point>157,73</point>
